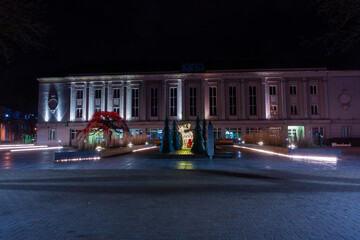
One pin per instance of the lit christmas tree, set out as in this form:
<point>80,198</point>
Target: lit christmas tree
<point>166,141</point>
<point>175,136</point>
<point>198,142</point>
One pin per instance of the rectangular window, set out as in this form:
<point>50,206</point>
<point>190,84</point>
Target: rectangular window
<point>97,109</point>
<point>98,93</point>
<point>116,93</point>
<point>346,131</point>
<point>173,101</point>
<point>253,130</point>
<point>212,99</point>
<point>313,90</point>
<point>154,133</point>
<point>292,90</point>
<point>272,90</point>
<point>217,133</point>
<point>135,131</point>
<point>79,112</point>
<point>79,94</point>
<point>52,134</point>
<point>252,100</point>
<point>135,102</point>
<point>232,133</point>
<point>232,100</point>
<point>273,110</point>
<point>154,102</point>
<point>314,110</point>
<point>192,101</point>
<point>293,110</point>
<point>73,134</point>
<point>117,110</point>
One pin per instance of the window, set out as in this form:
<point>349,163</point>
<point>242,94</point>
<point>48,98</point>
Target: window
<point>79,94</point>
<point>252,130</point>
<point>117,110</point>
<point>232,133</point>
<point>154,133</point>
<point>135,131</point>
<point>192,101</point>
<point>154,102</point>
<point>252,100</point>
<point>217,133</point>
<point>292,90</point>
<point>313,90</point>
<point>232,100</point>
<point>293,110</point>
<point>212,99</point>
<point>272,90</point>
<point>52,134</point>
<point>274,131</point>
<point>73,134</point>
<point>116,93</point>
<point>135,102</point>
<point>273,110</point>
<point>79,113</point>
<point>98,93</point>
<point>173,101</point>
<point>346,131</point>
<point>97,109</point>
<point>314,110</point>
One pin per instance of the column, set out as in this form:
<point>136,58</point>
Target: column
<point>110,98</point>
<point>206,99</point>
<point>265,108</point>
<point>103,97</point>
<point>284,102</point>
<point>222,104</point>
<point>164,96</point>
<point>128,101</point>
<point>179,100</point>
<point>122,101</point>
<point>91,100</point>
<point>142,101</point>
<point>72,101</point>
<point>326,98</point>
<point>304,94</point>
<point>243,99</point>
<point>84,102</point>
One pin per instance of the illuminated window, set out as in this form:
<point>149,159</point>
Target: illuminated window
<point>79,94</point>
<point>314,110</point>
<point>272,90</point>
<point>154,133</point>
<point>273,110</point>
<point>252,130</point>
<point>313,90</point>
<point>173,101</point>
<point>346,131</point>
<point>154,102</point>
<point>212,98</point>
<point>293,110</point>
<point>79,113</point>
<point>52,134</point>
<point>135,131</point>
<point>116,93</point>
<point>232,133</point>
<point>252,100</point>
<point>135,102</point>
<point>232,100</point>
<point>192,101</point>
<point>98,93</point>
<point>117,109</point>
<point>217,133</point>
<point>292,90</point>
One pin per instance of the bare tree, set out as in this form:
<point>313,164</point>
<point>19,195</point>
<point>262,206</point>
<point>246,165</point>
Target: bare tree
<point>21,26</point>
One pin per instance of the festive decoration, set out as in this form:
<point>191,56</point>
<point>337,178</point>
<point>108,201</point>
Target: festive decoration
<point>175,136</point>
<point>186,134</point>
<point>198,142</point>
<point>106,123</point>
<point>189,144</point>
<point>166,141</point>
<point>204,131</point>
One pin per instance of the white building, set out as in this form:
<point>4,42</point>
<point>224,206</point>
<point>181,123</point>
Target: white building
<point>237,101</point>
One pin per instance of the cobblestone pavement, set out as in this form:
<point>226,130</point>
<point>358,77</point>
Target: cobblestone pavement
<point>179,204</point>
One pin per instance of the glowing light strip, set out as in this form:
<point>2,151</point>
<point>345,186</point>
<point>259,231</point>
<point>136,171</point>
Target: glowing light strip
<point>143,149</point>
<point>77,159</point>
<point>15,145</point>
<point>35,149</point>
<point>329,159</point>
<point>19,147</point>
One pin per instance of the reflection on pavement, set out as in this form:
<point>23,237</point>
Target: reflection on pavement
<point>188,165</point>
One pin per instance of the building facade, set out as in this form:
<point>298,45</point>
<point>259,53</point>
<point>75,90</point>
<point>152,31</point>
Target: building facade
<point>236,102</point>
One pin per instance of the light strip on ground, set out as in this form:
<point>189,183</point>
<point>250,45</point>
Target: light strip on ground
<point>143,149</point>
<point>77,159</point>
<point>16,145</point>
<point>328,159</point>
<point>20,147</point>
<point>35,149</point>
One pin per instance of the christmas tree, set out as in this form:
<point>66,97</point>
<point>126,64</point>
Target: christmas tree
<point>198,142</point>
<point>166,141</point>
<point>175,137</point>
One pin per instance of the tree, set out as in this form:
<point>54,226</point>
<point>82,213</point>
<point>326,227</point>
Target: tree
<point>175,136</point>
<point>166,141</point>
<point>21,26</point>
<point>104,122</point>
<point>198,142</point>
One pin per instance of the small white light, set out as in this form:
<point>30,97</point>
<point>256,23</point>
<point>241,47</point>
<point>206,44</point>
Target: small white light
<point>98,148</point>
<point>130,145</point>
<point>260,143</point>
<point>243,142</point>
<point>146,143</point>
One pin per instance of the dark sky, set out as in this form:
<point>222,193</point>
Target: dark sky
<point>127,36</point>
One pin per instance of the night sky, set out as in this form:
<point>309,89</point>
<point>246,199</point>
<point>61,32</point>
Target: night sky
<point>136,36</point>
